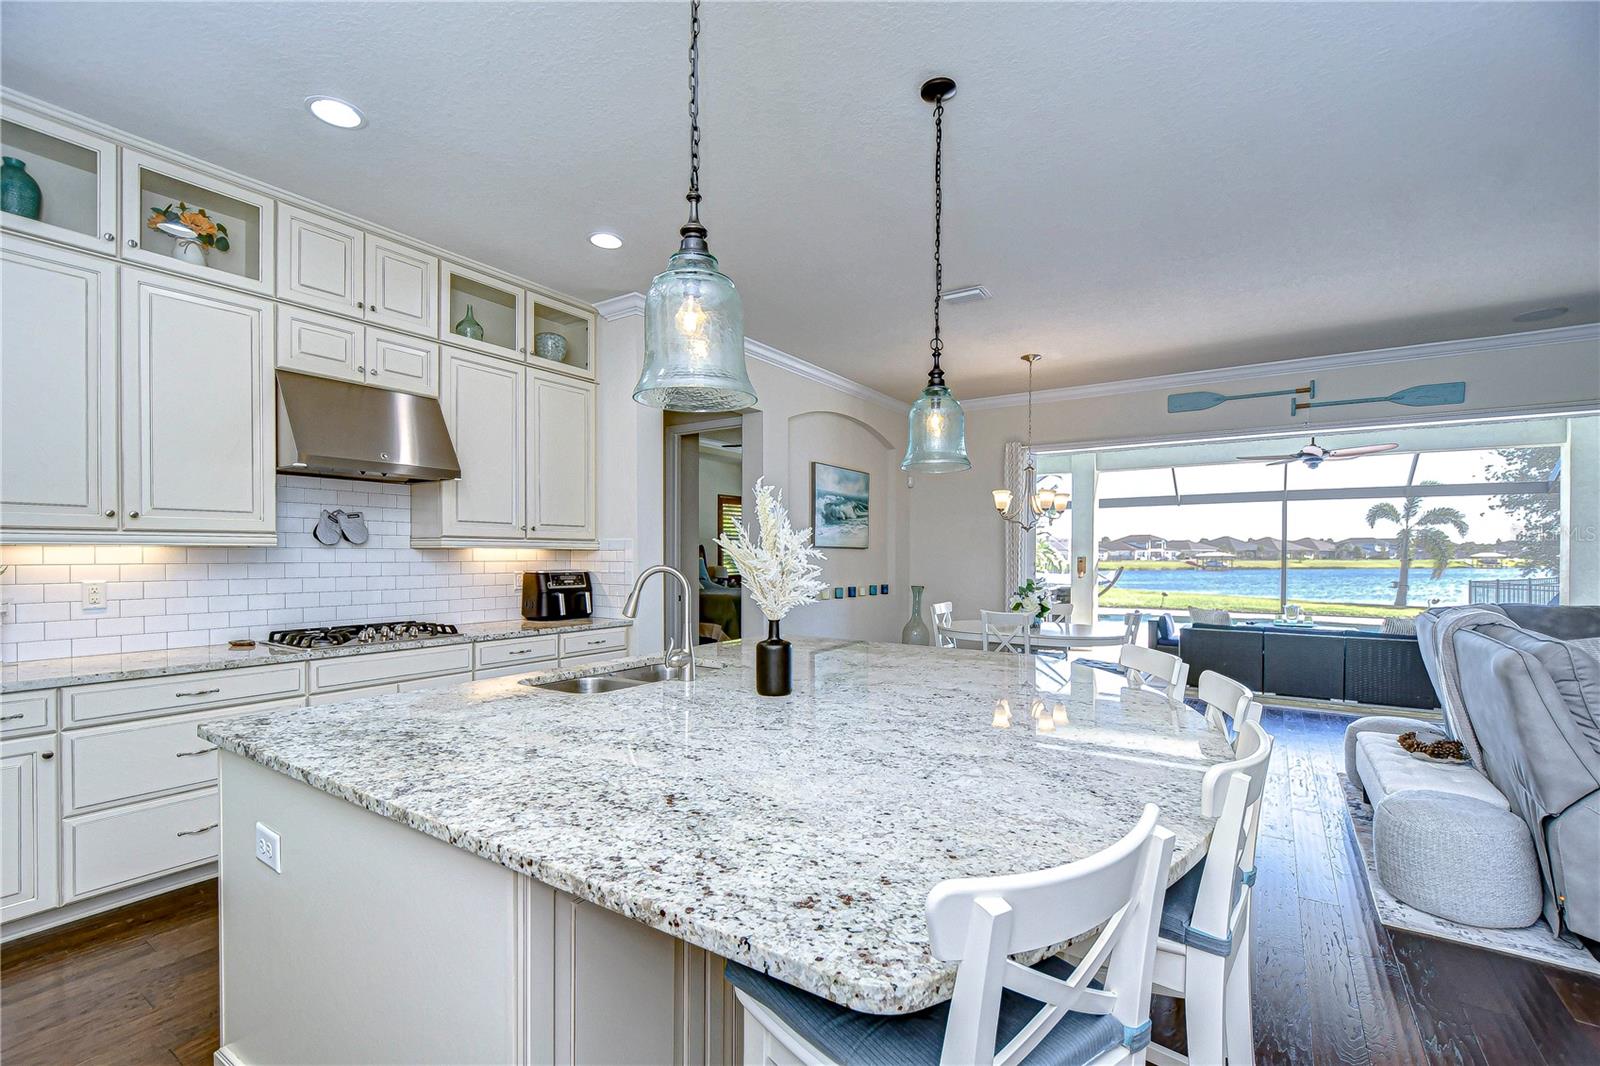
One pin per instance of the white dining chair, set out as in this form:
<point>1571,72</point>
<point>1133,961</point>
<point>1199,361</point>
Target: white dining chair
<point>1158,666</point>
<point>1001,1010</point>
<point>1008,631</point>
<point>1203,954</point>
<point>944,615</point>
<point>1130,628</point>
<point>1227,702</point>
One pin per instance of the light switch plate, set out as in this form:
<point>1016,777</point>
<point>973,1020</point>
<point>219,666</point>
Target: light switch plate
<point>268,848</point>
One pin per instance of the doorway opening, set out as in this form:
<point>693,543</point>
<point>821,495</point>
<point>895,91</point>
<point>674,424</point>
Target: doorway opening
<point>705,474</point>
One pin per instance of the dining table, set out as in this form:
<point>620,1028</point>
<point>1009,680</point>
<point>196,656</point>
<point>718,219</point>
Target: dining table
<point>1048,634</point>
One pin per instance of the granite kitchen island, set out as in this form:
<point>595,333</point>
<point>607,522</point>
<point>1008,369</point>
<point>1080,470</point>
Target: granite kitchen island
<point>499,873</point>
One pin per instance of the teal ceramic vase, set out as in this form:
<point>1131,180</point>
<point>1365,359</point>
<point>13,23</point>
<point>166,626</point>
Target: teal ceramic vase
<point>19,193</point>
<point>469,327</point>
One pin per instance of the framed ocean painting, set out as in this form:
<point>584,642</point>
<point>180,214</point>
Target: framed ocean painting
<point>839,506</point>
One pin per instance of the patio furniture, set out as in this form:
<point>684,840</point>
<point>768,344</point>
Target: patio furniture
<point>1313,663</point>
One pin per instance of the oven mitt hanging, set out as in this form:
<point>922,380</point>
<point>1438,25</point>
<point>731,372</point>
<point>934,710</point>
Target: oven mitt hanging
<point>353,526</point>
<point>327,528</point>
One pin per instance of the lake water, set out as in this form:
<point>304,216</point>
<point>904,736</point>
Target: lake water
<point>1324,584</point>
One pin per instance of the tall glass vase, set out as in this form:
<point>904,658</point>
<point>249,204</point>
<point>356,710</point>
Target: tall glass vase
<point>916,630</point>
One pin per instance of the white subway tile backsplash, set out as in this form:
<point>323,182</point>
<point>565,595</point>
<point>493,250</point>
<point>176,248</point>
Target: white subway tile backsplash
<point>161,596</point>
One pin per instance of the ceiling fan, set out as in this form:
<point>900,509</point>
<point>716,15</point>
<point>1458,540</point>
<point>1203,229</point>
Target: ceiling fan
<point>1314,454</point>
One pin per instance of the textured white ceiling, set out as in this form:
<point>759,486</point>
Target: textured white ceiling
<point>1146,188</point>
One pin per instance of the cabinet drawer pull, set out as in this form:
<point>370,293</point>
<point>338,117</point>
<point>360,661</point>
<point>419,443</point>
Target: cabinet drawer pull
<point>12,717</point>
<point>189,754</point>
<point>197,832</point>
<point>47,755</point>
<point>199,692</point>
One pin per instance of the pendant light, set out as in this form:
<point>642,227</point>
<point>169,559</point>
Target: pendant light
<point>1036,503</point>
<point>937,440</point>
<point>693,320</point>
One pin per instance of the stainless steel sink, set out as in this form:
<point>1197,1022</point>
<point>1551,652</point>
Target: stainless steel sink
<point>616,680</point>
<point>585,685</point>
<point>654,672</point>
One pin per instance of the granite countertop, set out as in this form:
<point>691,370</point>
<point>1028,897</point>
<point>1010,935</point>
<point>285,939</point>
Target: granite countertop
<point>799,835</point>
<point>92,669</point>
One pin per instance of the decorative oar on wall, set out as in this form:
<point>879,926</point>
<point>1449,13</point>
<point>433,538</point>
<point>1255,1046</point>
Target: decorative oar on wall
<point>1442,394</point>
<point>1180,402</point>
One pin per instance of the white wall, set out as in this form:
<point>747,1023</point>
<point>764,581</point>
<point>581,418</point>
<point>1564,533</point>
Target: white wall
<point>164,597</point>
<point>956,539</point>
<point>719,476</point>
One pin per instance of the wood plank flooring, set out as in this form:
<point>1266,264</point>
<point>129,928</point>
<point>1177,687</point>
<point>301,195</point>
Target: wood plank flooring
<point>139,985</point>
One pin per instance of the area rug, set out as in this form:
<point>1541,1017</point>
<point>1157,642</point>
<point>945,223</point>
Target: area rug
<point>1534,943</point>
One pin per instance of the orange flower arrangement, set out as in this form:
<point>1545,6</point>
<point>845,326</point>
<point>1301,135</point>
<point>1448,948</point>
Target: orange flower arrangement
<point>208,232</point>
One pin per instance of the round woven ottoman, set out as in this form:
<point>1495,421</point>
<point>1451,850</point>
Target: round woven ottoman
<point>1457,858</point>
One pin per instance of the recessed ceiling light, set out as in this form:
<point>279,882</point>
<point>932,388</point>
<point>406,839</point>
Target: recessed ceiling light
<point>336,112</point>
<point>1541,314</point>
<point>605,239</point>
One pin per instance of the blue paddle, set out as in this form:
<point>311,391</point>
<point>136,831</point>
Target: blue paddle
<point>1180,402</point>
<point>1439,395</point>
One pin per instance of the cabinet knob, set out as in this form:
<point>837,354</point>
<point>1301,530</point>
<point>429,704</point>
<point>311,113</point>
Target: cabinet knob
<point>47,755</point>
<point>374,371</point>
<point>363,371</point>
<point>132,243</point>
<point>133,514</point>
<point>111,514</point>
<point>372,307</point>
<point>110,236</point>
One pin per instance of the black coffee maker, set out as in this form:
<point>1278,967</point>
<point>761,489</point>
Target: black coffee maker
<point>554,595</point>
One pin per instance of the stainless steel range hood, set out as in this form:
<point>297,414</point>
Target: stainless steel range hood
<point>340,429</point>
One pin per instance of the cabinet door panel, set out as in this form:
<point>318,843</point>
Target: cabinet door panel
<point>396,361</point>
<point>485,410</point>
<point>197,407</point>
<point>27,826</point>
<point>562,467</point>
<point>321,261</point>
<point>325,345</point>
<point>58,389</point>
<point>402,287</point>
<point>79,173</point>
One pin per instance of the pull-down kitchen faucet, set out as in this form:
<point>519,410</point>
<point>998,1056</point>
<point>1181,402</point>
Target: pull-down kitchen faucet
<point>674,659</point>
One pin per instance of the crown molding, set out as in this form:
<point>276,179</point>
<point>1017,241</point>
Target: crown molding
<point>1303,366</point>
<point>627,305</point>
<point>766,353</point>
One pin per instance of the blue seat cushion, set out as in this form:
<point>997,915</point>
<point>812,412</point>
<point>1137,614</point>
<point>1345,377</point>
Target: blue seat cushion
<point>1178,913</point>
<point>849,1037</point>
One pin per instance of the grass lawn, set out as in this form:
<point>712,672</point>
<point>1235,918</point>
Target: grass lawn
<point>1268,605</point>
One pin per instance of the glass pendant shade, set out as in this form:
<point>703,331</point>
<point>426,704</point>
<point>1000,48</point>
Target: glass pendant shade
<point>937,443</point>
<point>694,339</point>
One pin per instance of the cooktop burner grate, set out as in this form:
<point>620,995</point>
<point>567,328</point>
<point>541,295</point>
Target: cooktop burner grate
<point>370,633</point>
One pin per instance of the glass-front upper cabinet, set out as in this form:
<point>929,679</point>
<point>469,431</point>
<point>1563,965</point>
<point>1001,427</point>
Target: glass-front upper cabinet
<point>163,227</point>
<point>563,336</point>
<point>481,312</point>
<point>60,184</point>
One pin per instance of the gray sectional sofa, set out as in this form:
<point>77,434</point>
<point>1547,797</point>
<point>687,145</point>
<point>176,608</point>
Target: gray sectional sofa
<point>1521,690</point>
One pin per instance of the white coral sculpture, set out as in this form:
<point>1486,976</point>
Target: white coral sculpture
<point>776,565</point>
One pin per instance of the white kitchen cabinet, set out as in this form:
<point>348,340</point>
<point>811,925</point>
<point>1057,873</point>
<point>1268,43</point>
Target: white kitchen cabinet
<point>402,286</point>
<point>321,261</point>
<point>150,184</point>
<point>310,342</point>
<point>313,342</point>
<point>28,836</point>
<point>58,389</point>
<point>79,171</point>
<point>485,409</point>
<point>401,362</point>
<point>561,468</point>
<point>125,845</point>
<point>497,305</point>
<point>198,411</point>
<point>30,711</point>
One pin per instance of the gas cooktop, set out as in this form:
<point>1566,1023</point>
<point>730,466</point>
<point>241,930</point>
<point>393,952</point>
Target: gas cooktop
<point>370,633</point>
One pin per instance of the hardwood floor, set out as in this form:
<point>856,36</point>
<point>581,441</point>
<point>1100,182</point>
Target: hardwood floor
<point>139,985</point>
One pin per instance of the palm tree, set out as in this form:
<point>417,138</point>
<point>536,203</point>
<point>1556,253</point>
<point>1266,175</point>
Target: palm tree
<point>1421,532</point>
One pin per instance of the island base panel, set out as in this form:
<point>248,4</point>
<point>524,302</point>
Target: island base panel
<point>380,944</point>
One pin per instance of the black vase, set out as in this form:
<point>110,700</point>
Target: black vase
<point>772,664</point>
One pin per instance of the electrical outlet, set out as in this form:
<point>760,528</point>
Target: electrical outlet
<point>94,595</point>
<point>268,849</point>
<point>5,611</point>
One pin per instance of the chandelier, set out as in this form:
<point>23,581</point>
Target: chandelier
<point>1036,503</point>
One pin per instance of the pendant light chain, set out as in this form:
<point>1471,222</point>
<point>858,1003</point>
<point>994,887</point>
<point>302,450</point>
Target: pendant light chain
<point>936,375</point>
<point>694,113</point>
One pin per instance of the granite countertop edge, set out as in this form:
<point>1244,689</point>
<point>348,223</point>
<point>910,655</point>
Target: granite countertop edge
<point>100,669</point>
